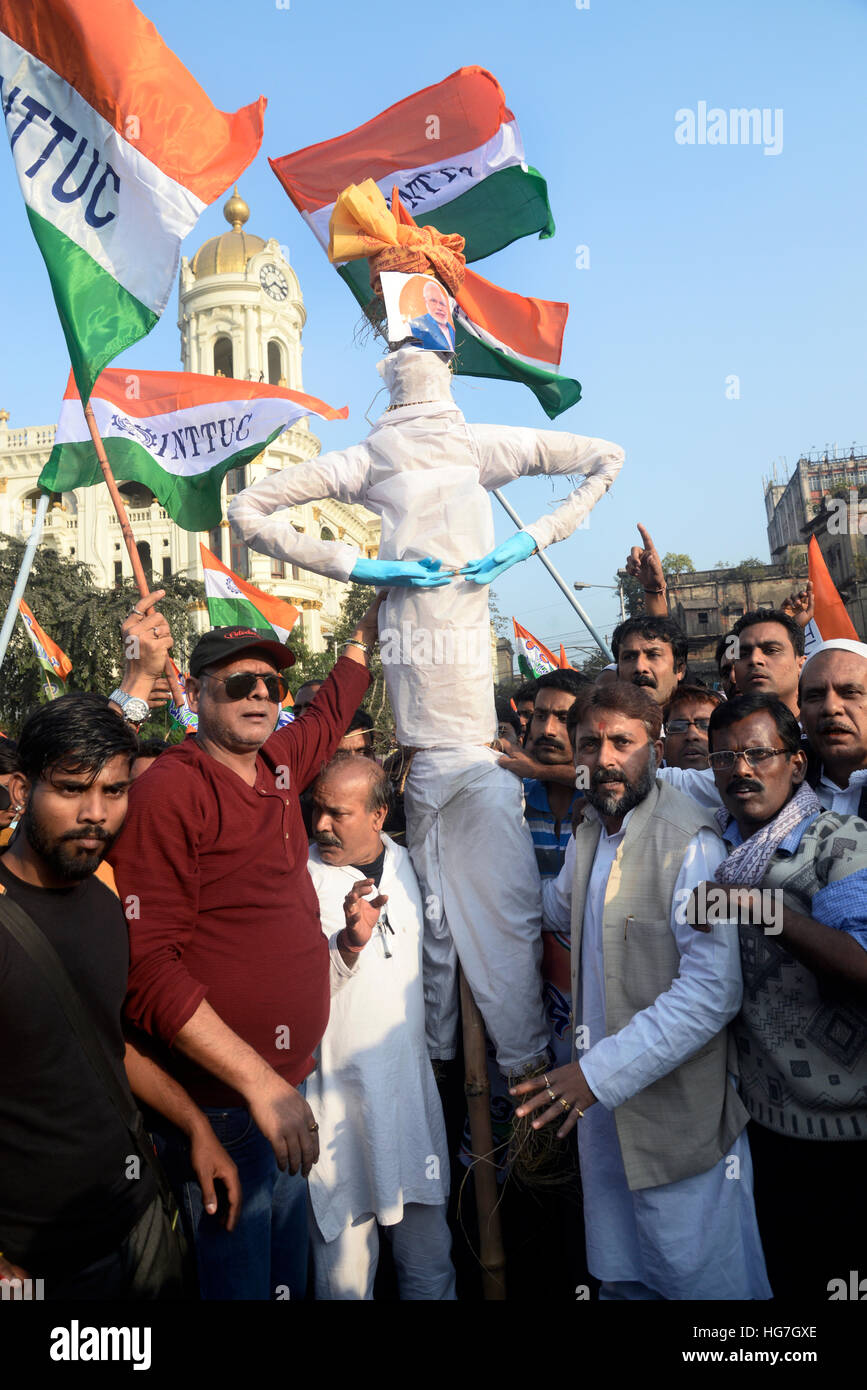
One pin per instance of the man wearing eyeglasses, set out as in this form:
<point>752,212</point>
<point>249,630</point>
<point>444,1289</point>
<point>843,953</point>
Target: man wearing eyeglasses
<point>802,1028</point>
<point>228,965</point>
<point>686,719</point>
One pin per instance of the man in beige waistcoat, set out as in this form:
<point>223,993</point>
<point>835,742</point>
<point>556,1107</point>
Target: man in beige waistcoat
<point>665,1163</point>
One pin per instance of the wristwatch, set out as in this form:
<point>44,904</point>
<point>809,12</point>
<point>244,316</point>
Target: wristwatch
<point>135,711</point>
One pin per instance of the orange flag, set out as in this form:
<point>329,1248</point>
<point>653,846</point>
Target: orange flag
<point>831,617</point>
<point>50,657</point>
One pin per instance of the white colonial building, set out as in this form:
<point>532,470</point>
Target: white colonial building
<point>240,314</point>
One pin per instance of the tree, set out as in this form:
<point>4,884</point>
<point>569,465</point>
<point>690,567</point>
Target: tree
<point>85,622</point>
<point>596,662</point>
<point>633,594</point>
<point>315,666</point>
<point>751,568</point>
<point>674,563</point>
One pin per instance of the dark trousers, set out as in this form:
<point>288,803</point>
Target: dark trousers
<point>811,1203</point>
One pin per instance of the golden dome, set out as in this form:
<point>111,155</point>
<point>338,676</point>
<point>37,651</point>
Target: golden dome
<point>222,255</point>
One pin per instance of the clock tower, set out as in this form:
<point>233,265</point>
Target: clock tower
<point>241,313</point>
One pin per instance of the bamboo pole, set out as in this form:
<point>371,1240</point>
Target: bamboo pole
<point>477,1088</point>
<point>114,494</point>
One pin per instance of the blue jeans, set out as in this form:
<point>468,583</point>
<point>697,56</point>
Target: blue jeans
<point>265,1257</point>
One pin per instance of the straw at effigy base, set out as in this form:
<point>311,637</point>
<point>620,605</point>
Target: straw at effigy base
<point>478,1092</point>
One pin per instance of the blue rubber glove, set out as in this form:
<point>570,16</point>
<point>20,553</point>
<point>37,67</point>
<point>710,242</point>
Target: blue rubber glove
<point>496,562</point>
<point>416,574</point>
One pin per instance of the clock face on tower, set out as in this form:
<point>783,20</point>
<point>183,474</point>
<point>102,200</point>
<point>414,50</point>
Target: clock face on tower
<point>273,281</point>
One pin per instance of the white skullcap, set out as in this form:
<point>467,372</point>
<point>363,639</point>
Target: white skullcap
<point>838,644</point>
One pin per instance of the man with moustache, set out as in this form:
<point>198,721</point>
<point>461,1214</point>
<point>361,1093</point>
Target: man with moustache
<point>802,1029</point>
<point>662,1218</point>
<point>833,702</point>
<point>383,1156</point>
<point>651,653</point>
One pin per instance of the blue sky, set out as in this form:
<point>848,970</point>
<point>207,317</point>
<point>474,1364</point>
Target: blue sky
<point>706,261</point>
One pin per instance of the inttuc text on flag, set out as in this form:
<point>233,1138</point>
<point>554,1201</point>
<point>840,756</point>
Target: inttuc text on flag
<point>179,433</point>
<point>118,151</point>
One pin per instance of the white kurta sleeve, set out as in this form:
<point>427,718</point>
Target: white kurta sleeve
<point>695,782</point>
<point>704,996</point>
<point>508,452</point>
<point>256,514</point>
<point>340,973</point>
<point>557,895</point>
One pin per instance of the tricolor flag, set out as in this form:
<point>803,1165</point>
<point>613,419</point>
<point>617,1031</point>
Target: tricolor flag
<point>533,658</point>
<point>830,618</point>
<point>454,151</point>
<point>177,432</point>
<point>118,151</point>
<point>53,661</point>
<point>232,601</point>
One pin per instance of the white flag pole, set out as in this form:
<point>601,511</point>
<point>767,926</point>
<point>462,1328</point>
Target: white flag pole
<point>559,581</point>
<point>23,574</point>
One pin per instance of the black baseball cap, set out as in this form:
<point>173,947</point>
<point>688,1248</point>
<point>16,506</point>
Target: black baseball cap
<point>223,642</point>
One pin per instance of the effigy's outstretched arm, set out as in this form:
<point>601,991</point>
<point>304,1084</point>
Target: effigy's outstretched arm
<point>512,452</point>
<point>257,517</point>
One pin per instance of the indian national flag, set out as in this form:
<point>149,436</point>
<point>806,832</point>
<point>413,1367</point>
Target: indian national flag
<point>232,601</point>
<point>533,658</point>
<point>54,662</point>
<point>118,151</point>
<point>454,151</point>
<point>177,432</point>
<point>515,338</point>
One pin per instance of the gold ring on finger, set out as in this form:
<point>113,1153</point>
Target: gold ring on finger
<point>565,1104</point>
<point>552,1094</point>
<point>313,1128</point>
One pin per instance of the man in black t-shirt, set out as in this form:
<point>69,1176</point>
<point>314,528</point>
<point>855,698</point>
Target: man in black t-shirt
<point>76,1197</point>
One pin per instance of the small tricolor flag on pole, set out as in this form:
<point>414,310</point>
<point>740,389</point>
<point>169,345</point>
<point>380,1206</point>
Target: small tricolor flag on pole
<point>177,432</point>
<point>54,662</point>
<point>231,600</point>
<point>118,151</point>
<point>534,659</point>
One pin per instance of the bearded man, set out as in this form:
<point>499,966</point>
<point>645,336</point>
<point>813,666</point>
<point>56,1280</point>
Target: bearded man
<point>663,1219</point>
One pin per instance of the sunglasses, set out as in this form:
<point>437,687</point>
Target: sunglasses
<point>243,683</point>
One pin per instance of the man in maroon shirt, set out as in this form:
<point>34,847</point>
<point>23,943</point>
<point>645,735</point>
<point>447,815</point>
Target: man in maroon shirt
<point>228,963</point>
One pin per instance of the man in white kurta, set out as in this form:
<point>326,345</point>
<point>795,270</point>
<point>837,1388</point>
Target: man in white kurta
<point>427,473</point>
<point>383,1158</point>
<point>697,1237</point>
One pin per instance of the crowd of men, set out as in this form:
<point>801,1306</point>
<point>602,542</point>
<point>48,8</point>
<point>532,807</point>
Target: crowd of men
<point>215,1079</point>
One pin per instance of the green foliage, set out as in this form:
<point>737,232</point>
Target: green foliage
<point>674,563</point>
<point>633,595</point>
<point>85,622</point>
<point>597,661</point>
<point>751,568</point>
<point>315,666</point>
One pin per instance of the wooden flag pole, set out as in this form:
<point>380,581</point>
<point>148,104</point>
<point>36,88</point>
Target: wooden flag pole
<point>114,494</point>
<point>477,1088</point>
